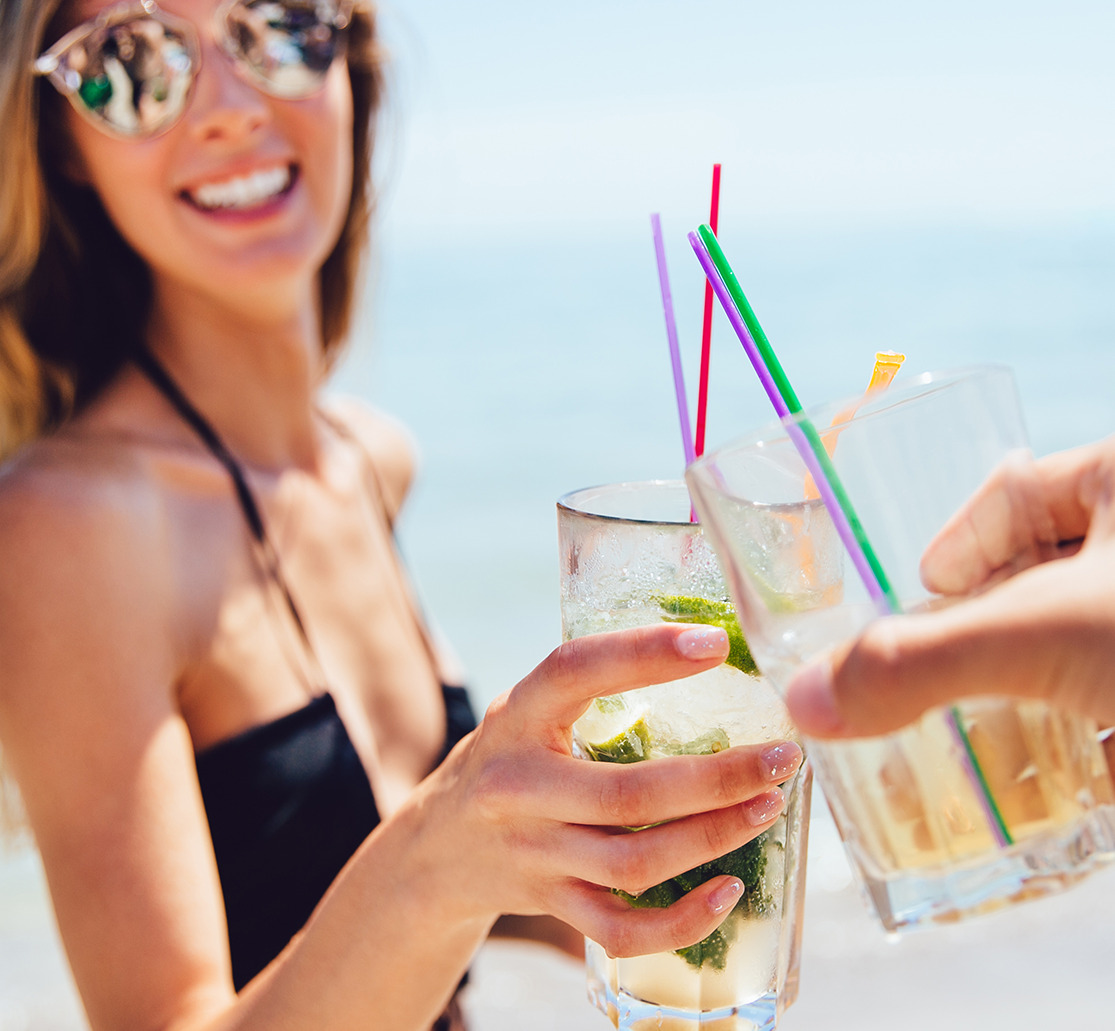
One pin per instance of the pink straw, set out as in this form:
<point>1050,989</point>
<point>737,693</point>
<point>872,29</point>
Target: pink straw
<point>706,324</point>
<point>765,378</point>
<point>672,337</point>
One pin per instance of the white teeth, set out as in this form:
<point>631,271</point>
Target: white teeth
<point>243,191</point>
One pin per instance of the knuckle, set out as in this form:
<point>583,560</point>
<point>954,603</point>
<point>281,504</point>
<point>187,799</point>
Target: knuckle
<point>880,654</point>
<point>731,779</point>
<point>620,940</point>
<point>574,654</point>
<point>497,789</point>
<point>645,644</point>
<point>718,835</point>
<point>569,660</point>
<point>498,708</point>
<point>673,926</point>
<point>629,867</point>
<point>617,799</point>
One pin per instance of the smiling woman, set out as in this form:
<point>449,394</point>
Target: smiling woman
<point>255,781</point>
<point>64,255</point>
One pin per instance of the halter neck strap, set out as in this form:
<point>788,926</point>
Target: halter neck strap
<point>154,370</point>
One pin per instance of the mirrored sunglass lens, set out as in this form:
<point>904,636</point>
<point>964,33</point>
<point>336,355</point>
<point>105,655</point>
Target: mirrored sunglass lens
<point>135,76</point>
<point>288,46</point>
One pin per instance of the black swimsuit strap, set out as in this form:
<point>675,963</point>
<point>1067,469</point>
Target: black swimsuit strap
<point>153,369</point>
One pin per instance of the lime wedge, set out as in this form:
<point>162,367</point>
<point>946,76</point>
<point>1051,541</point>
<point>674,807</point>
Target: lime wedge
<point>681,609</point>
<point>709,743</point>
<point>629,746</point>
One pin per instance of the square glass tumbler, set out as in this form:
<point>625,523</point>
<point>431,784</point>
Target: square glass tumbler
<point>630,556</point>
<point>975,805</point>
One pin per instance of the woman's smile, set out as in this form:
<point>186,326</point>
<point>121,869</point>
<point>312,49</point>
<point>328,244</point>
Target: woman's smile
<point>249,192</point>
<point>244,196</point>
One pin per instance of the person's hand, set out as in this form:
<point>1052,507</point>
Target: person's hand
<point>529,829</point>
<point>1047,631</point>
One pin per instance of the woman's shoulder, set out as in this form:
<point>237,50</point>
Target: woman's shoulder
<point>77,517</point>
<point>387,444</point>
<point>67,480</point>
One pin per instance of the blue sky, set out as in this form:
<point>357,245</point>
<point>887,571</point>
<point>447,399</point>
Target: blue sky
<point>526,116</point>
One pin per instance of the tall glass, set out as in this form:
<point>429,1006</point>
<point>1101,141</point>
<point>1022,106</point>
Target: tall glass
<point>630,556</point>
<point>973,806</point>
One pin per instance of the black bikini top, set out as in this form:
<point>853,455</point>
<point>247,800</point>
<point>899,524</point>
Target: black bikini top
<point>288,802</point>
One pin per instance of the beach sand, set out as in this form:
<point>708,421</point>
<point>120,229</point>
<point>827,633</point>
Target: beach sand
<point>1028,968</point>
<point>1031,967</point>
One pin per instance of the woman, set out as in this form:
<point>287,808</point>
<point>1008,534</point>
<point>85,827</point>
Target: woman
<point>259,799</point>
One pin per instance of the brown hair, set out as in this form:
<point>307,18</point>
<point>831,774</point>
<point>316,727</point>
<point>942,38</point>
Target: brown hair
<point>74,296</point>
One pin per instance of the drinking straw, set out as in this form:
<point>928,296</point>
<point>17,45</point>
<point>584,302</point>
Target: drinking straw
<point>785,403</point>
<point>817,461</point>
<point>887,364</point>
<point>672,338</point>
<point>706,323</point>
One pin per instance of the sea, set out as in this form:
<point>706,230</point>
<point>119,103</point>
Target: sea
<point>526,367</point>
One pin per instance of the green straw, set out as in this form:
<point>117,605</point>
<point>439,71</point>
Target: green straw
<point>881,590</point>
<point>793,405</point>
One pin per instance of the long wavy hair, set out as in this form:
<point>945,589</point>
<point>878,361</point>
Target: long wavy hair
<point>74,296</point>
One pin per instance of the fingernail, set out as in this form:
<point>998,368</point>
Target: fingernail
<point>764,808</point>
<point>725,896</point>
<point>702,642</point>
<point>781,760</point>
<point>811,701</point>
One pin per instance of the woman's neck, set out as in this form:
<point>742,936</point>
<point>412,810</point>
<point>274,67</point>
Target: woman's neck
<point>253,376</point>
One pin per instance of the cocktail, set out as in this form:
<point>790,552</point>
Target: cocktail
<point>630,556</point>
<point>974,806</point>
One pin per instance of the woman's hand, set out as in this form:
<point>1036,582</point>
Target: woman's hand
<point>525,828</point>
<point>1047,631</point>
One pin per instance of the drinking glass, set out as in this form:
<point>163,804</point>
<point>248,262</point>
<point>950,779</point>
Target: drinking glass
<point>630,556</point>
<point>975,805</point>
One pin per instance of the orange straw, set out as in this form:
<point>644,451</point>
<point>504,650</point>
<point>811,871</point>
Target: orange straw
<point>887,364</point>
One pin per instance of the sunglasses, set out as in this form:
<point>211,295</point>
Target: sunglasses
<point>130,71</point>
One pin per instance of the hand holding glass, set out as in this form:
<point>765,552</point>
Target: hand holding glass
<point>631,557</point>
<point>973,806</point>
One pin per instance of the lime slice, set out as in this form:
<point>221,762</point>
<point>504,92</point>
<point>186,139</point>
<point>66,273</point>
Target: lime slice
<point>611,703</point>
<point>629,746</point>
<point>709,743</point>
<point>682,609</point>
<point>636,743</point>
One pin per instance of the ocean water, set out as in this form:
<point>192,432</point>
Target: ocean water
<point>527,368</point>
<point>896,176</point>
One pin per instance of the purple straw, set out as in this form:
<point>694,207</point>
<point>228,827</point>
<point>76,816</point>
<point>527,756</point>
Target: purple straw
<point>672,337</point>
<point>726,302</point>
<point>805,448</point>
<point>801,442</point>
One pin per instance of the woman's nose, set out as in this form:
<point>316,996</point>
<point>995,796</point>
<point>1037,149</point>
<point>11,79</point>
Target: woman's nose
<point>225,106</point>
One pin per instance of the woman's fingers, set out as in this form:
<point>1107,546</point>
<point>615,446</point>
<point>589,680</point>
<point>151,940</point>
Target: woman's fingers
<point>633,794</point>
<point>1048,632</point>
<point>558,690</point>
<point>637,860</point>
<point>626,930</point>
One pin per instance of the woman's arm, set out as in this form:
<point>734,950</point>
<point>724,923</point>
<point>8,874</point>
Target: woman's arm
<point>89,726</point>
<point>91,647</point>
